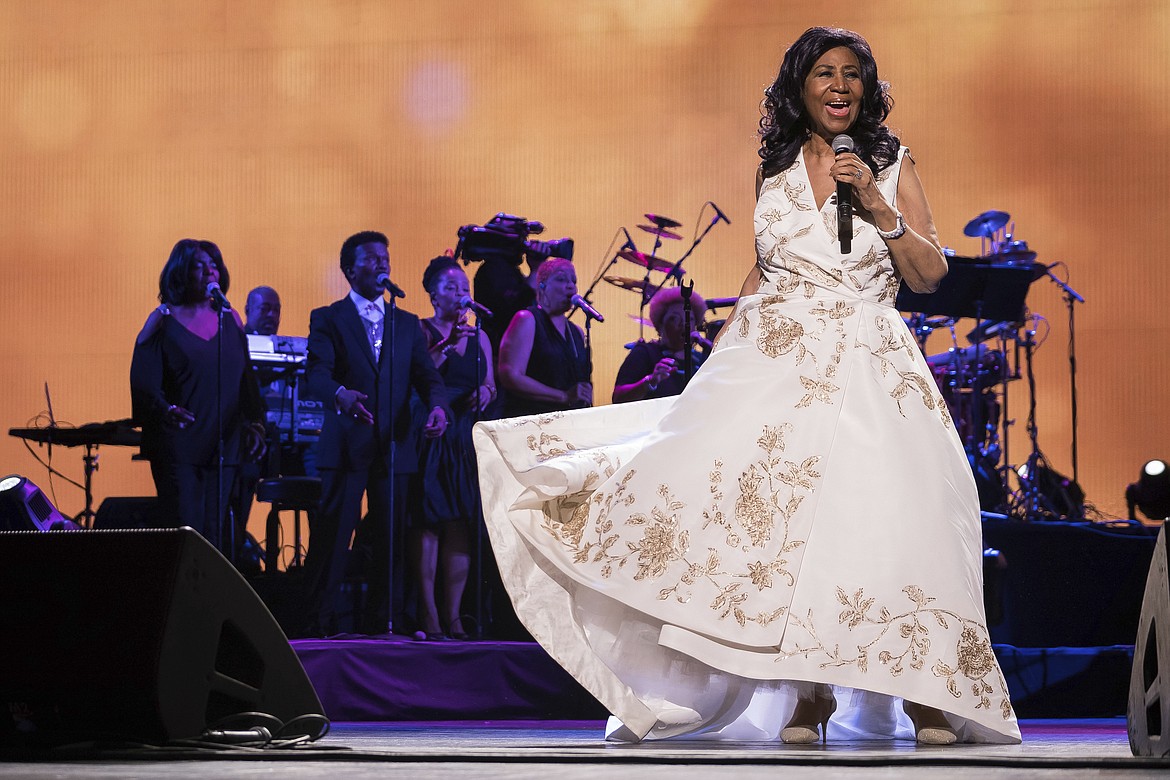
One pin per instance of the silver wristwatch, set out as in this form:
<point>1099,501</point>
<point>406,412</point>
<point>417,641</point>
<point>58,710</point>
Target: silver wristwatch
<point>899,229</point>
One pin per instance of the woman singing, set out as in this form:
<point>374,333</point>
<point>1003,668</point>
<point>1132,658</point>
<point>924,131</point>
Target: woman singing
<point>184,348</point>
<point>447,503</point>
<point>544,365</point>
<point>791,549</point>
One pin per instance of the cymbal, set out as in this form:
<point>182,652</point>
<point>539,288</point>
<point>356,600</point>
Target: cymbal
<point>663,222</point>
<point>646,261</point>
<point>660,231</point>
<point>643,321</point>
<point>627,283</point>
<point>986,224</point>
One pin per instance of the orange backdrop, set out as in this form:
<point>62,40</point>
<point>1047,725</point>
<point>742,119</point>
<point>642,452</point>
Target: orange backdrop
<point>278,127</point>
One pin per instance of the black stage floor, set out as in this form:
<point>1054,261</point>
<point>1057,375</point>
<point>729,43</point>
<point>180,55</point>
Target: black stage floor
<point>575,749</point>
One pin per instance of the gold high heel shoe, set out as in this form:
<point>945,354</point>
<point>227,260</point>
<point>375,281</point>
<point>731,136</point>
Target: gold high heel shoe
<point>930,725</point>
<point>814,712</point>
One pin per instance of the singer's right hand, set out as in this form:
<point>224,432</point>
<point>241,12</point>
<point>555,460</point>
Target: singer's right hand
<point>581,393</point>
<point>459,332</point>
<point>349,402</point>
<point>662,371</point>
<point>178,416</point>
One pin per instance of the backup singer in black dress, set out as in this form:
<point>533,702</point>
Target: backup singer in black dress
<point>446,501</point>
<point>174,392</point>
<point>544,365</point>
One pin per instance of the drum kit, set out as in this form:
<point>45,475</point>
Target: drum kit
<point>973,379</point>
<point>663,229</point>
<point>660,228</point>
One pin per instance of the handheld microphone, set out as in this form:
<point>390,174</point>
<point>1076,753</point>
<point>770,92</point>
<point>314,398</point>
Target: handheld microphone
<point>584,306</point>
<point>719,215</point>
<point>394,290</point>
<point>468,302</point>
<point>218,299</point>
<point>844,143</point>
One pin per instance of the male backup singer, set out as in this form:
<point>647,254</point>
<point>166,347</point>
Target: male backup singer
<point>365,355</point>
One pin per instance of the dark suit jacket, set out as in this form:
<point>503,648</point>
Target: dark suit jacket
<point>340,356</point>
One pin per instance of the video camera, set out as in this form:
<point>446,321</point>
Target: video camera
<point>505,237</point>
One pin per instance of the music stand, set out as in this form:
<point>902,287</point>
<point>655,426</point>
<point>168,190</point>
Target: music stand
<point>979,290</point>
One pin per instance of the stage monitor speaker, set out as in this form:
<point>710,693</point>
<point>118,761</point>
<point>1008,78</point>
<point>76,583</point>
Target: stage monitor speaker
<point>1148,716</point>
<point>144,636</point>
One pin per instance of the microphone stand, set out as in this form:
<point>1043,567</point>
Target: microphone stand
<point>1072,298</point>
<point>596,279</point>
<point>219,447</point>
<point>479,522</point>
<point>688,340</point>
<point>391,519</point>
<point>1034,500</point>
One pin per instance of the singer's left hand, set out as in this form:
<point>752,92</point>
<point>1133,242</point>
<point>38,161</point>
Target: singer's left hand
<point>484,395</point>
<point>850,169</point>
<point>436,423</point>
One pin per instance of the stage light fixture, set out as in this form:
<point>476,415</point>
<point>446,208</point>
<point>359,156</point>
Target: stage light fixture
<point>1151,493</point>
<point>23,507</point>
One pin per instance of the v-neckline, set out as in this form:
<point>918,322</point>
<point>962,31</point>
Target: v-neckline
<point>812,193</point>
<point>207,340</point>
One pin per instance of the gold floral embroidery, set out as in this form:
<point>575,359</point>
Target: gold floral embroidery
<point>890,287</point>
<point>903,641</point>
<point>780,335</point>
<point>771,259</point>
<point>829,277</point>
<point>771,218</point>
<point>870,261</point>
<point>598,530</point>
<point>818,390</point>
<point>794,192</point>
<point>908,381</point>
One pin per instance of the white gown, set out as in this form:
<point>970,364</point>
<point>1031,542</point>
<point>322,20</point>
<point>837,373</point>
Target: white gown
<point>804,512</point>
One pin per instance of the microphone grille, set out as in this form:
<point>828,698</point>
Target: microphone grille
<point>842,143</point>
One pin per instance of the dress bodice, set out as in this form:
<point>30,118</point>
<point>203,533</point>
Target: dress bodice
<point>797,249</point>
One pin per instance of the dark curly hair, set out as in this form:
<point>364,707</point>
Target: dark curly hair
<point>349,248</point>
<point>435,269</point>
<point>175,277</point>
<point>784,126</point>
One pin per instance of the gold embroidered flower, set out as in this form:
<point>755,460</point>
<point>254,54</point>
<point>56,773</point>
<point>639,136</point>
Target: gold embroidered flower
<point>779,335</point>
<point>817,390</point>
<point>761,574</point>
<point>855,608</point>
<point>573,529</point>
<point>976,658</point>
<point>751,510</point>
<point>658,549</point>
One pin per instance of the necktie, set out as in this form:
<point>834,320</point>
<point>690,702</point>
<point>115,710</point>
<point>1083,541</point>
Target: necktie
<point>374,327</point>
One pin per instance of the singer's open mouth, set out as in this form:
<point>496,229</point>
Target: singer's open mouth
<point>838,108</point>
